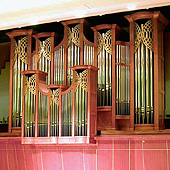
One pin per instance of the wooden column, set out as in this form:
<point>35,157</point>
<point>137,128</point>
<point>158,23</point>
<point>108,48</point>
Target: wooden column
<point>52,57</point>
<point>65,52</point>
<point>11,85</point>
<point>132,109</point>
<point>113,78</point>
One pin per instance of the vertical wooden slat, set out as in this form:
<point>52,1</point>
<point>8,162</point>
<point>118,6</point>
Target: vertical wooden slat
<point>49,115</point>
<point>81,43</point>
<point>52,58</point>
<point>60,113</point>
<point>151,87</point>
<point>156,74</point>
<point>11,85</point>
<point>36,106</point>
<point>29,49</point>
<point>36,56</point>
<point>88,105</point>
<point>86,113</point>
<point>65,53</point>
<point>131,74</point>
<point>23,108</point>
<point>95,47</point>
<point>113,79</point>
<point>73,110</point>
<point>83,113</point>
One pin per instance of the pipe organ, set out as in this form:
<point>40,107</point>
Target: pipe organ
<point>59,65</point>
<point>64,115</point>
<point>113,60</point>
<point>62,97</point>
<point>146,35</point>
<point>104,62</point>
<point>20,59</point>
<point>44,53</point>
<point>122,64</point>
<point>144,58</point>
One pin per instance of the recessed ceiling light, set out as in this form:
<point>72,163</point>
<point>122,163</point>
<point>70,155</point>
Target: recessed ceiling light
<point>131,6</point>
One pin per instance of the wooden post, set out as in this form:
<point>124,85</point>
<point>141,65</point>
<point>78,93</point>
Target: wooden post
<point>52,58</point>
<point>81,43</point>
<point>132,111</point>
<point>36,105</point>
<point>11,85</point>
<point>49,113</point>
<point>60,112</point>
<point>113,77</point>
<point>65,52</point>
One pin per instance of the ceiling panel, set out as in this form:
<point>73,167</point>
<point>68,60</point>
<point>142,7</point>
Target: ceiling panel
<point>21,13</point>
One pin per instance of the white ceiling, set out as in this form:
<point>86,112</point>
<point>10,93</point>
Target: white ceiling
<point>19,13</point>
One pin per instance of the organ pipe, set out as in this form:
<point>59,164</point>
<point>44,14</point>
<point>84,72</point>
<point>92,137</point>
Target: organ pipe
<point>122,80</point>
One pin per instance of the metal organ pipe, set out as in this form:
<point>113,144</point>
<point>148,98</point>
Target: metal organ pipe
<point>122,80</point>
<point>73,59</point>
<point>104,63</point>
<point>59,66</point>
<point>20,64</point>
<point>143,80</point>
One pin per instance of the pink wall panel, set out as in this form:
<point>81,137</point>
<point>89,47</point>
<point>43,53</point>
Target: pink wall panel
<point>90,159</point>
<point>37,157</point>
<point>155,159</point>
<point>154,144</point>
<point>51,159</point>
<point>3,144</point>
<point>104,159</point>
<point>11,160</point>
<point>107,144</point>
<point>136,160</point>
<point>20,157</point>
<point>110,153</point>
<point>121,159</point>
<point>72,159</point>
<point>3,160</point>
<point>136,144</point>
<point>29,159</point>
<point>121,144</point>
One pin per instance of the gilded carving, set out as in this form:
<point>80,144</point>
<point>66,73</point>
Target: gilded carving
<point>30,84</point>
<point>104,41</point>
<point>74,35</point>
<point>54,96</point>
<point>44,49</point>
<point>81,80</point>
<point>20,50</point>
<point>144,34</point>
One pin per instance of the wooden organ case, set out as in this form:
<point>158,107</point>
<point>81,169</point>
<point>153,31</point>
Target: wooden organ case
<point>20,60</point>
<point>112,57</point>
<point>69,91</point>
<point>56,113</point>
<point>147,73</point>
